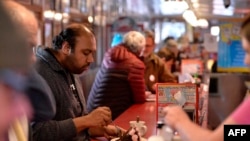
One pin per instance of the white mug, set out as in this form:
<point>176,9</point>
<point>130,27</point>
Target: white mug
<point>140,126</point>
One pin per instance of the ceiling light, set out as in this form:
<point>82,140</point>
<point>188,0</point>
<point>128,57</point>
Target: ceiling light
<point>215,30</point>
<point>202,23</point>
<point>194,1</point>
<point>100,20</point>
<point>196,5</point>
<point>90,19</point>
<point>48,14</point>
<point>190,17</point>
<point>65,15</point>
<point>58,16</point>
<point>173,7</point>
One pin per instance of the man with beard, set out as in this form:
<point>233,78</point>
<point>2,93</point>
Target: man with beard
<point>156,71</point>
<point>71,53</point>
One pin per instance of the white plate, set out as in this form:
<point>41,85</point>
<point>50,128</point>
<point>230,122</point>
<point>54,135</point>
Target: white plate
<point>151,99</point>
<point>142,139</point>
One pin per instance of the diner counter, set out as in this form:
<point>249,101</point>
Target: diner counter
<point>146,112</point>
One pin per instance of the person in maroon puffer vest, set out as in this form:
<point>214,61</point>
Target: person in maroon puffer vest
<point>119,82</point>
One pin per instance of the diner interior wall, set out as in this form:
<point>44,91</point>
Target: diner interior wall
<point>143,11</point>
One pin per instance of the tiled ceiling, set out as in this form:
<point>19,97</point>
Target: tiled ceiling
<point>164,8</point>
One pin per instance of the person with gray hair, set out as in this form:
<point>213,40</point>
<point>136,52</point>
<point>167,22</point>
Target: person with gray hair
<point>120,80</point>
<point>134,41</point>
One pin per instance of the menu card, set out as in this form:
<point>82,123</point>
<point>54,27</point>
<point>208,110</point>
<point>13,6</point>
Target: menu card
<point>185,95</point>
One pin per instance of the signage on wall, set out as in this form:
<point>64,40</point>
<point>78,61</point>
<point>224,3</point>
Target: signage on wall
<point>230,51</point>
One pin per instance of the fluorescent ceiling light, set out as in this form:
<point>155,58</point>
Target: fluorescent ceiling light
<point>190,17</point>
<point>65,15</point>
<point>196,5</point>
<point>202,23</point>
<point>173,7</point>
<point>58,16</point>
<point>215,30</point>
<point>90,19</point>
<point>49,14</point>
<point>65,1</point>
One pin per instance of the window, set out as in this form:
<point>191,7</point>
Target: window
<point>165,29</point>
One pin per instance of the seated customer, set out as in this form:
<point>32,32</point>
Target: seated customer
<point>71,53</point>
<point>120,80</point>
<point>172,45</point>
<point>168,57</point>
<point>156,71</point>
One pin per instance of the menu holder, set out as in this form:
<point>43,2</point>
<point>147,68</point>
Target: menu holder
<point>182,94</point>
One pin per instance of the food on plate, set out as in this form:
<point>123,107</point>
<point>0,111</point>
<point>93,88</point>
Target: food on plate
<point>131,135</point>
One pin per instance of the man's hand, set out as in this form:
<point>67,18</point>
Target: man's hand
<point>113,131</point>
<point>99,117</point>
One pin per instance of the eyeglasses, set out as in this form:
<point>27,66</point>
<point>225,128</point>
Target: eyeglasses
<point>13,79</point>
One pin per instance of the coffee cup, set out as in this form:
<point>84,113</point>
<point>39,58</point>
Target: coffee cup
<point>140,126</point>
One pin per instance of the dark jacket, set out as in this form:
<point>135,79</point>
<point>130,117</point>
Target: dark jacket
<point>156,72</point>
<point>41,97</point>
<point>61,127</point>
<point>119,82</point>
